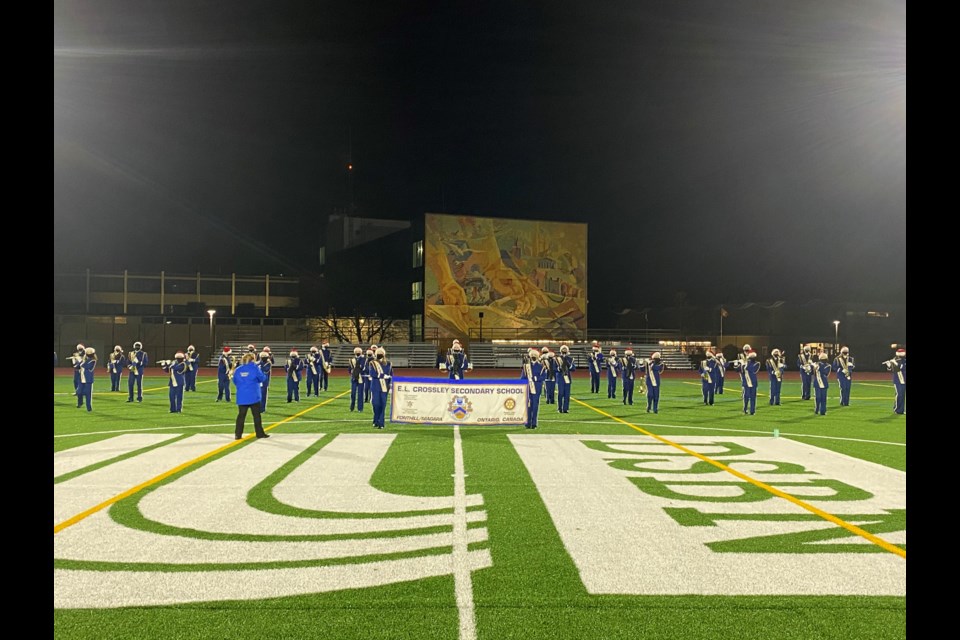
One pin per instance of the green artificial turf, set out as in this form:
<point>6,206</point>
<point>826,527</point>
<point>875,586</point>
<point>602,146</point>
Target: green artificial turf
<point>533,589</point>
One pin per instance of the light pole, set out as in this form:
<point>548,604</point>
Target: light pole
<point>836,336</point>
<point>213,344</point>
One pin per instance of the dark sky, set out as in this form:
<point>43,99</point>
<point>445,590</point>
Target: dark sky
<point>751,150</point>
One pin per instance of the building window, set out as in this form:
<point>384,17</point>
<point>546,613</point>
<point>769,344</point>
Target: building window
<point>322,256</point>
<point>416,326</point>
<point>417,291</point>
<point>417,255</point>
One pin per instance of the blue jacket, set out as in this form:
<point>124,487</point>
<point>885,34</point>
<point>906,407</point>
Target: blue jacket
<point>247,379</point>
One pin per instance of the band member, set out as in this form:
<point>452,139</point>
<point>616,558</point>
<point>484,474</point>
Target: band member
<point>252,350</point>
<point>193,365</point>
<point>775,368</point>
<point>355,368</point>
<point>85,369</point>
<point>225,364</point>
<point>843,366</point>
<point>564,374</point>
<point>721,372</point>
<point>248,377</point>
<point>116,362</point>
<point>596,363</point>
<point>899,368</point>
<point>369,354</point>
<point>653,368</point>
<point>177,368</point>
<point>708,377</point>
<point>748,368</point>
<point>628,369</point>
<point>136,361</point>
<point>549,362</point>
<point>312,364</point>
<point>456,363</point>
<point>75,360</point>
<point>805,362</point>
<point>326,364</point>
<point>380,372</point>
<point>613,368</point>
<point>294,368</point>
<point>821,373</point>
<point>266,366</point>
<point>532,372</point>
<point>270,353</point>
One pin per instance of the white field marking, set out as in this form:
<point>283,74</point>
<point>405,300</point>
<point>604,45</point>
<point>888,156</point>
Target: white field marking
<point>88,454</point>
<point>337,478</point>
<point>595,508</point>
<point>214,497</point>
<point>193,426</point>
<point>83,492</point>
<point>768,431</point>
<point>98,538</point>
<point>463,585</point>
<point>102,589</point>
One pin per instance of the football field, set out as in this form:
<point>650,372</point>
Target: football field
<point>605,522</point>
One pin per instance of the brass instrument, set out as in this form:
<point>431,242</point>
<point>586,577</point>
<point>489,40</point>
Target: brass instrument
<point>130,359</point>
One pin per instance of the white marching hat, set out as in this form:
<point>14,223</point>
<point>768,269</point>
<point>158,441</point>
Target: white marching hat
<point>655,355</point>
<point>179,354</point>
<point>564,348</point>
<point>845,350</point>
<point>293,352</point>
<point>381,351</point>
<point>823,356</point>
<point>902,352</point>
<point>613,352</point>
<point>710,353</point>
<point>627,352</point>
<point>357,351</point>
<point>138,345</point>
<point>264,354</point>
<point>89,351</point>
<point>775,352</point>
<point>118,348</point>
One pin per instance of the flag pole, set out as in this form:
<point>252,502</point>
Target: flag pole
<point>720,346</point>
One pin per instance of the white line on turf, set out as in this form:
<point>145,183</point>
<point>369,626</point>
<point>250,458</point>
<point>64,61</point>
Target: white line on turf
<point>767,432</point>
<point>192,426</point>
<point>463,587</point>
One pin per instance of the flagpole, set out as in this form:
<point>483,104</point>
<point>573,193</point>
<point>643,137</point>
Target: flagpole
<point>720,346</point>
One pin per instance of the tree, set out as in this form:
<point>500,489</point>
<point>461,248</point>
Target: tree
<point>357,328</point>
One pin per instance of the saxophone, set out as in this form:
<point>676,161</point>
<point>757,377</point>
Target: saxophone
<point>130,358</point>
<point>778,372</point>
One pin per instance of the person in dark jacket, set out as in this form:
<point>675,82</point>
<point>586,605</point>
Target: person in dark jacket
<point>247,378</point>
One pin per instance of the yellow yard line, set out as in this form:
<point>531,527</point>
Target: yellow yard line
<point>852,528</point>
<point>881,386</point>
<point>166,474</point>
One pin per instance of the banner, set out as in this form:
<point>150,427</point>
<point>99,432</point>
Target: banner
<point>441,401</point>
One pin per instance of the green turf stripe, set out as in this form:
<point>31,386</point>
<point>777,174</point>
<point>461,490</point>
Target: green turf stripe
<point>261,496</point>
<point>123,456</point>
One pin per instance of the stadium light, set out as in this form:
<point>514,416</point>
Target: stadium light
<point>212,312</point>
<point>836,335</point>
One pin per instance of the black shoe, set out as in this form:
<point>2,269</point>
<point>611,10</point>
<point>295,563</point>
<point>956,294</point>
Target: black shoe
<point>238,438</point>
<point>139,399</point>
<point>131,400</point>
<point>266,435</point>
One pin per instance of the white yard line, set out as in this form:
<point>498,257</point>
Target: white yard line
<point>463,585</point>
<point>88,454</point>
<point>193,426</point>
<point>767,432</point>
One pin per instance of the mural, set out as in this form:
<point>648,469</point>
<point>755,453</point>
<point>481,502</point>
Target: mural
<point>523,274</point>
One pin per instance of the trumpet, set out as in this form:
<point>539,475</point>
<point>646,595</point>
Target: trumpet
<point>889,364</point>
<point>164,363</point>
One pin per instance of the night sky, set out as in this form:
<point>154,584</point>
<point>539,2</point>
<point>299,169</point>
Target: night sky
<point>733,151</point>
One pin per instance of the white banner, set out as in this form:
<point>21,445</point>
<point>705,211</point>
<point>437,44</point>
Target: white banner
<point>439,401</point>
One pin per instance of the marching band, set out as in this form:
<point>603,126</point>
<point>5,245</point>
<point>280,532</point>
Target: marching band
<point>547,374</point>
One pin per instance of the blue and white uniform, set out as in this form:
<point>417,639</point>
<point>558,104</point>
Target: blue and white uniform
<point>380,372</point>
<point>326,363</point>
<point>75,361</point>
<point>355,369</point>
<point>775,368</point>
<point>595,358</point>
<point>312,364</point>
<point>266,366</point>
<point>456,363</point>
<point>628,371</point>
<point>652,369</point>
<point>564,374</point>
<point>614,371</point>
<point>138,360</point>
<point>224,364</point>
<point>294,369</point>
<point>193,367</point>
<point>532,372</point>
<point>85,370</point>
<point>549,361</point>
<point>177,370</point>
<point>898,366</point>
<point>805,362</point>
<point>843,366</point>
<point>821,383</point>
<point>115,366</point>
<point>708,377</point>
<point>748,367</point>
<point>721,372</point>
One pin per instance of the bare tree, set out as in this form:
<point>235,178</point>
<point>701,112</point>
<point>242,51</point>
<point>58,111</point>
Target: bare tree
<point>357,328</point>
